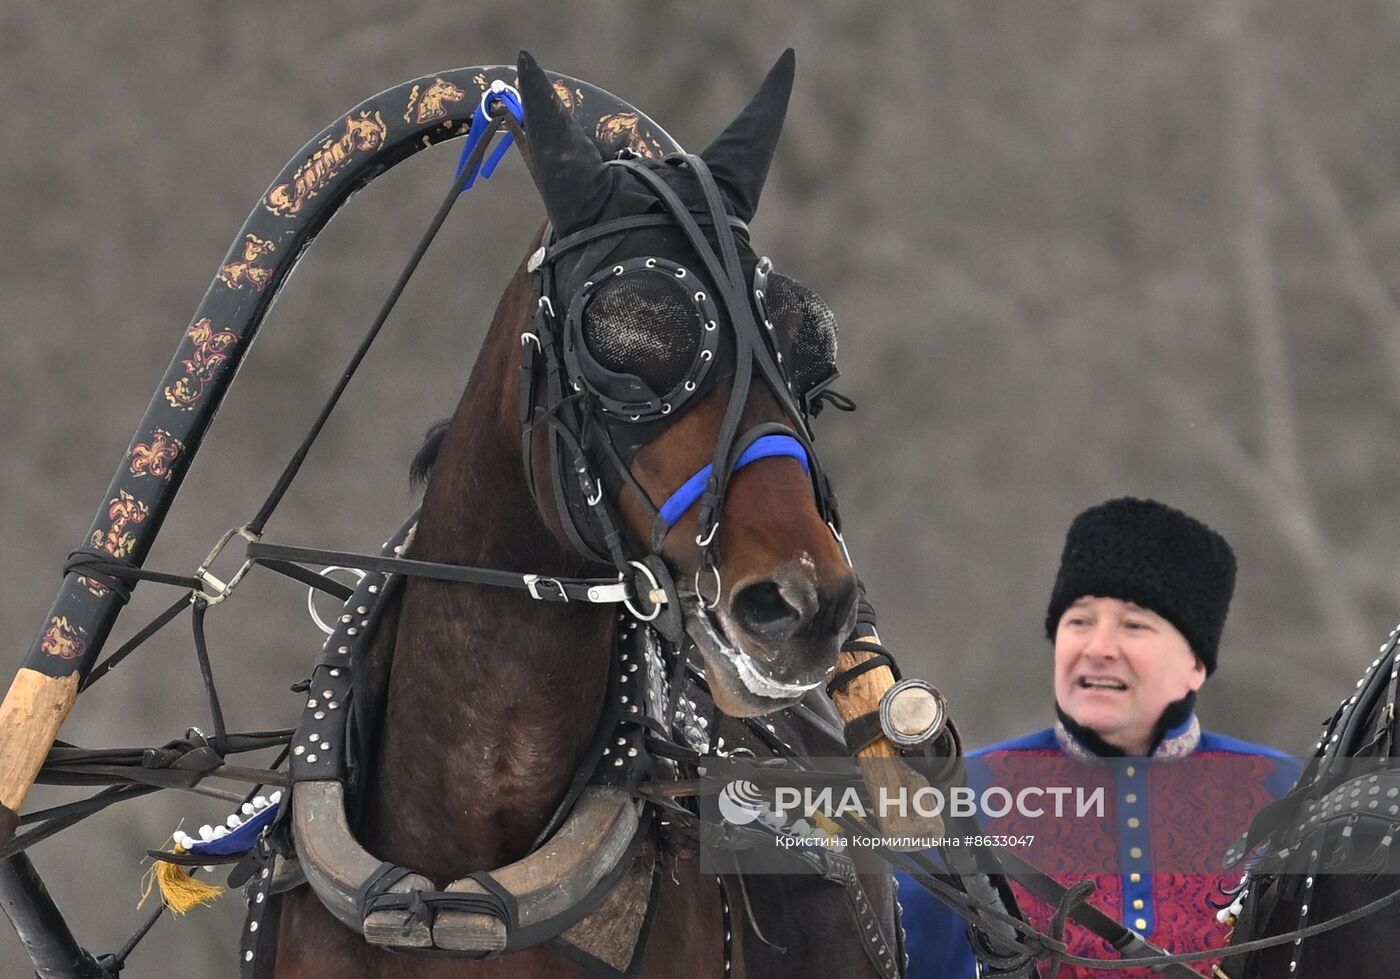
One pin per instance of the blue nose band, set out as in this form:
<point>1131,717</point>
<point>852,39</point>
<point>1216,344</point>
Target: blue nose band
<point>764,447</point>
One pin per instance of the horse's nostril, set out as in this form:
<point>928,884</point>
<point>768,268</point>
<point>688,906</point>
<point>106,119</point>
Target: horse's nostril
<point>762,610</point>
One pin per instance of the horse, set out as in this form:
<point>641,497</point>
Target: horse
<point>1323,854</point>
<point>479,706</point>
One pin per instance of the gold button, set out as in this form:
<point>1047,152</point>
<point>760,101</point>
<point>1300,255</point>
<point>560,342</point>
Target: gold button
<point>1135,853</point>
<point>1134,822</point>
<point>1135,878</point>
<point>1140,924</point>
<point>1131,771</point>
<point>1137,905</point>
<point>1130,798</point>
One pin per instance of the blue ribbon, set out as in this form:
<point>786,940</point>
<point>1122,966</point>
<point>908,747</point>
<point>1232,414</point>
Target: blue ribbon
<point>481,119</point>
<point>762,448</point>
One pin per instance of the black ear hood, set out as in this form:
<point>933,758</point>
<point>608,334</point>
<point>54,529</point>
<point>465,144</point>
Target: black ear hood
<point>579,189</point>
<point>568,168</point>
<point>740,156</point>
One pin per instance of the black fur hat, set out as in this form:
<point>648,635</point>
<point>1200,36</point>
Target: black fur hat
<point>1153,555</point>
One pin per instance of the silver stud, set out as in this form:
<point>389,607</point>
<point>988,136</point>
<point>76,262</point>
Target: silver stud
<point>333,705</point>
<point>311,758</point>
<point>312,702</point>
<point>320,715</point>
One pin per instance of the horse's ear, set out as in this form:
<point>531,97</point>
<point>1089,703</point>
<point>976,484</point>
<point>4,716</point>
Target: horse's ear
<point>568,169</point>
<point>740,155</point>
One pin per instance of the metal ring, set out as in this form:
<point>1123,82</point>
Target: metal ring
<point>706,354</point>
<point>311,596</point>
<point>544,303</point>
<point>714,529</point>
<point>526,336</point>
<point>710,324</point>
<point>719,588</point>
<point>699,297</point>
<point>690,385</point>
<point>655,585</point>
<point>617,270</point>
<point>650,263</point>
<point>680,273</point>
<point>665,408</point>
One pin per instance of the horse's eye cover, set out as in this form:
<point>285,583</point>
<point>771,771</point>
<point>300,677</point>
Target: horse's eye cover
<point>646,324</point>
<point>807,327</point>
<point>763,447</point>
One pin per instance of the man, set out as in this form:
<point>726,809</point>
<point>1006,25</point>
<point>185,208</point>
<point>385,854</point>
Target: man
<point>1135,616</point>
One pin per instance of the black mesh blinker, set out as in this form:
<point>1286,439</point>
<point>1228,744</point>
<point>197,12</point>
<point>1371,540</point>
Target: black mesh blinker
<point>644,324</point>
<point>808,326</point>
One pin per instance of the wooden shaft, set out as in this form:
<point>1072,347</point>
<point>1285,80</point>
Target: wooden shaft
<point>880,762</point>
<point>30,717</point>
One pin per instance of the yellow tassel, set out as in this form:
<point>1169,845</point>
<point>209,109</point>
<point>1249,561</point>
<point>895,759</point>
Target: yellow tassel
<point>178,889</point>
<point>828,826</point>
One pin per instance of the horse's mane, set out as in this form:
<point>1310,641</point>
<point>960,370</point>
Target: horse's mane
<point>422,464</point>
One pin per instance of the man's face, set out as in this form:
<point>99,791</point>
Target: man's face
<point>1118,666</point>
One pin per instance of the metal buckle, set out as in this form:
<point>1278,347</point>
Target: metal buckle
<point>708,538</point>
<point>214,590</point>
<point>533,581</point>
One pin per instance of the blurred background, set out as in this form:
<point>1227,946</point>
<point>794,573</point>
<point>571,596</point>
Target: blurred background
<point>1077,249</point>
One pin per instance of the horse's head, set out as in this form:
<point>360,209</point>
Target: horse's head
<point>679,374</point>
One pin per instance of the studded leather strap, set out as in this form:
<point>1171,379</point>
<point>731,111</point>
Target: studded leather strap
<point>257,946</point>
<point>886,959</point>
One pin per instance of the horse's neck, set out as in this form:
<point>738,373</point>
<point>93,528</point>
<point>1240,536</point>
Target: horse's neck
<point>492,697</point>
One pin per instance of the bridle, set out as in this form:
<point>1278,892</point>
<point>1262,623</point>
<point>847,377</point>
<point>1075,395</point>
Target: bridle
<point>598,419</point>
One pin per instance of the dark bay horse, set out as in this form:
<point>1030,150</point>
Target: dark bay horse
<point>1328,850</point>
<point>489,700</point>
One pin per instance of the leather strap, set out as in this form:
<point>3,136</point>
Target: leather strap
<point>545,588</point>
